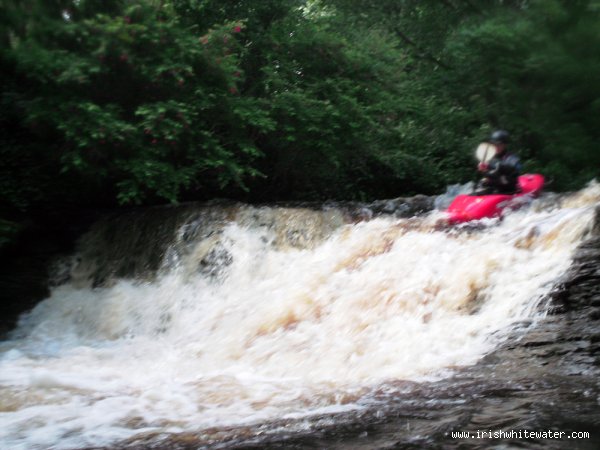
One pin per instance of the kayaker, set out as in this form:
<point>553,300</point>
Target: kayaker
<point>500,174</point>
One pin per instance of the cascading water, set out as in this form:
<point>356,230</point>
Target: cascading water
<point>233,316</point>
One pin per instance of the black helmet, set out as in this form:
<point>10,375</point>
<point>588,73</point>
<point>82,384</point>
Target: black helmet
<point>499,137</point>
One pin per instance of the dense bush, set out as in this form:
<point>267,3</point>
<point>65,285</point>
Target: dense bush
<point>121,102</point>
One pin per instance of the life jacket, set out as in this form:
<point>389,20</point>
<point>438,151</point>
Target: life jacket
<point>503,172</point>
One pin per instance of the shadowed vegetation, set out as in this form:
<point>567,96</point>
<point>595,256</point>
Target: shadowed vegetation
<point>108,103</point>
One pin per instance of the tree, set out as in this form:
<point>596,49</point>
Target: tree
<point>124,95</point>
<point>107,102</point>
<point>528,66</point>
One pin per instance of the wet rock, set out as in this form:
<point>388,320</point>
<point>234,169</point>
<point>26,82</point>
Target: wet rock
<point>215,262</point>
<point>403,207</point>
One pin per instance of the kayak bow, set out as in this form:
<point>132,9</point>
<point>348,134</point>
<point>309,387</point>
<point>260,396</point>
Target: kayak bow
<point>465,208</point>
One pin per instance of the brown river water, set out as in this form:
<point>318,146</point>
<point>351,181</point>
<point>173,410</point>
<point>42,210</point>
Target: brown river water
<point>355,327</point>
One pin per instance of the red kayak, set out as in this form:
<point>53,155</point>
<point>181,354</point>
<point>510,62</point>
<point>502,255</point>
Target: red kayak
<point>465,208</point>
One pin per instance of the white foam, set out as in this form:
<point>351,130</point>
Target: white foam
<point>284,333</point>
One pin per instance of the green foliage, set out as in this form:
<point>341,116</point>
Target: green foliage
<point>332,100</point>
<point>107,102</point>
<point>538,75</point>
<point>134,99</point>
<point>529,67</point>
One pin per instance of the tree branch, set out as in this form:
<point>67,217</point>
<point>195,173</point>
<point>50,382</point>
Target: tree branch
<point>421,52</point>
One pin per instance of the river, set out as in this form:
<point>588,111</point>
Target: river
<point>237,326</point>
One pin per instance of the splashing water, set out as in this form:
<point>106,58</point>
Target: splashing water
<point>255,322</point>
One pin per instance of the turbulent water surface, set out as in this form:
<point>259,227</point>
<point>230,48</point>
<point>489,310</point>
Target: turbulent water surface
<point>238,326</point>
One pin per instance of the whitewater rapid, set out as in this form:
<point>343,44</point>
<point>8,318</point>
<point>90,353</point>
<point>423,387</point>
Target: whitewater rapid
<point>252,322</point>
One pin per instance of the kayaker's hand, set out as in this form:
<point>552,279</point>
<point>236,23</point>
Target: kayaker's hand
<point>482,167</point>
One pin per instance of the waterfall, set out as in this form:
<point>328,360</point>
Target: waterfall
<point>191,318</point>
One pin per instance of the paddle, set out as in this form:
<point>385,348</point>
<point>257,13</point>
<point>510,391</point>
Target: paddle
<point>485,152</point>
